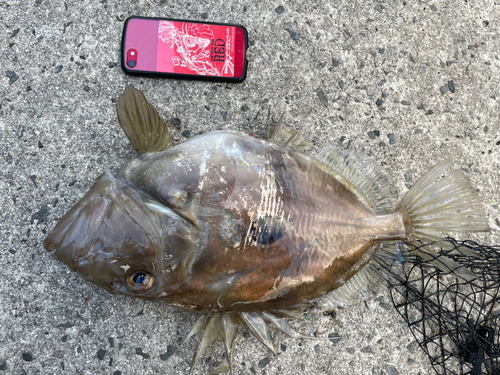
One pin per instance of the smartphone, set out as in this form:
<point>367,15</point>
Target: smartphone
<point>157,47</point>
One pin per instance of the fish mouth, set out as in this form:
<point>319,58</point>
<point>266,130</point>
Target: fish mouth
<point>74,237</point>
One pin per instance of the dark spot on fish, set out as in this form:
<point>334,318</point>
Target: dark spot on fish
<point>186,133</point>
<point>72,183</point>
<point>64,338</point>
<point>246,335</point>
<point>111,362</point>
<point>139,351</point>
<point>66,325</point>
<point>40,145</point>
<point>283,347</point>
<point>140,312</point>
<point>279,9</point>
<point>117,372</point>
<point>100,354</point>
<point>111,342</point>
<point>27,356</point>
<point>3,366</point>
<point>267,230</point>
<point>170,352</point>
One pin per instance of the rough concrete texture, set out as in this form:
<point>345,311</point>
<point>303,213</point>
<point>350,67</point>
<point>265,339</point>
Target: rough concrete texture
<point>406,82</point>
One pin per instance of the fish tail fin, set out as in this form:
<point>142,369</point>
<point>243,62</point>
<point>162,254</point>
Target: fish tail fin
<point>436,205</point>
<point>431,206</point>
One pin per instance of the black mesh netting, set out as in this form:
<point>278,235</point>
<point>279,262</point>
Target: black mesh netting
<point>456,322</point>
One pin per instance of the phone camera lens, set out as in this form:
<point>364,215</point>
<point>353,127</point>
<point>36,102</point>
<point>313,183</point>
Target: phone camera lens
<point>131,63</point>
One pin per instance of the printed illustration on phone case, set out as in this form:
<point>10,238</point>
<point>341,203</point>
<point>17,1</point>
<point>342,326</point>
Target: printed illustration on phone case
<point>195,48</point>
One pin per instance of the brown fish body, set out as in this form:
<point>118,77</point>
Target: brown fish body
<point>223,222</point>
<point>282,227</point>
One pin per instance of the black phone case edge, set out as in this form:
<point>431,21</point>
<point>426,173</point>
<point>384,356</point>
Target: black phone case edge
<point>143,73</point>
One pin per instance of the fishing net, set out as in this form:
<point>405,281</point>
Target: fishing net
<point>456,322</point>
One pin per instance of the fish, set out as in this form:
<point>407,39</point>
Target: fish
<point>250,232</point>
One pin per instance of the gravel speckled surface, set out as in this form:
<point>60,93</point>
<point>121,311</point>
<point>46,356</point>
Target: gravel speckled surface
<point>407,83</point>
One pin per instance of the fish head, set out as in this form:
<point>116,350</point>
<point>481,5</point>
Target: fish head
<point>111,239</point>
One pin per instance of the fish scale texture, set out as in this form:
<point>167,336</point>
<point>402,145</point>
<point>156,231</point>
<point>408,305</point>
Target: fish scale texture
<point>406,83</point>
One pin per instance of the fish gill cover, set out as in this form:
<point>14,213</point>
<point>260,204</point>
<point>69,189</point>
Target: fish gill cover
<point>456,322</point>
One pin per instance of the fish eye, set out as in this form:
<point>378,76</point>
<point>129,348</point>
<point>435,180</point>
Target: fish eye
<point>140,282</point>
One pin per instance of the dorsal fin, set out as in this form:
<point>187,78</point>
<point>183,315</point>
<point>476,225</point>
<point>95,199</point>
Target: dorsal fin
<point>361,173</point>
<point>141,122</point>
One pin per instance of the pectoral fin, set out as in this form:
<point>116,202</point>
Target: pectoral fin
<point>141,122</point>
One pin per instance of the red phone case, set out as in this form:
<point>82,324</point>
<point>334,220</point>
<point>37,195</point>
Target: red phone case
<point>156,47</point>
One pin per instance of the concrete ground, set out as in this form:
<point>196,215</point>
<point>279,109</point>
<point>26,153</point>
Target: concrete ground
<point>408,83</point>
